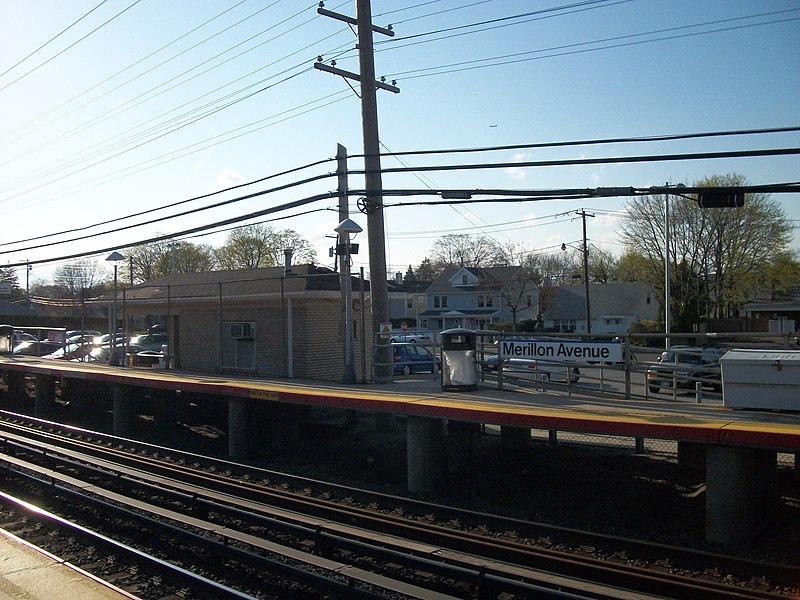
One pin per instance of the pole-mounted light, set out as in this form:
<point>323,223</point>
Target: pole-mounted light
<point>344,230</point>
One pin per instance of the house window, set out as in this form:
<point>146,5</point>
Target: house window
<point>440,302</point>
<point>410,302</point>
<point>464,280</point>
<point>530,300</point>
<point>485,301</point>
<point>564,325</point>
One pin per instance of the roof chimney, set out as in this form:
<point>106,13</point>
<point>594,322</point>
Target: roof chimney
<point>398,278</point>
<point>287,262</point>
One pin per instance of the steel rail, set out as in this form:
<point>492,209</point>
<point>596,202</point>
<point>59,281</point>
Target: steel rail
<point>476,544</point>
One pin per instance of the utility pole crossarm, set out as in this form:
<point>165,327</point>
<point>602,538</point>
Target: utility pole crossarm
<point>352,21</point>
<point>355,76</point>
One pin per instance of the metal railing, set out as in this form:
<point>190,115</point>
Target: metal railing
<point>691,372</point>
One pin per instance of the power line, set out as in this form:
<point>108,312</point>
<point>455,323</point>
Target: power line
<point>110,77</point>
<point>602,141</point>
<point>172,205</point>
<point>160,238</point>
<point>99,27</point>
<point>597,161</point>
<point>174,216</point>
<point>509,59</point>
<point>52,39</point>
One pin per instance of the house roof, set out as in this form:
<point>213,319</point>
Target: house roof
<point>498,275</point>
<point>241,283</point>
<point>465,312</point>
<point>12,309</point>
<point>610,299</point>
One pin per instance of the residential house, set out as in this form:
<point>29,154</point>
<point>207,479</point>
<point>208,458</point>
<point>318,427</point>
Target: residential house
<point>270,322</point>
<point>773,316</point>
<point>407,301</point>
<point>475,297</point>
<point>613,308</point>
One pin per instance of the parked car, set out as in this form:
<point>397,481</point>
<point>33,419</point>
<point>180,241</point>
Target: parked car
<point>411,337</point>
<point>23,336</point>
<point>99,340</point>
<point>35,347</point>
<point>686,366</point>
<point>86,332</point>
<point>409,357</point>
<point>540,369</point>
<point>151,342</point>
<point>77,352</point>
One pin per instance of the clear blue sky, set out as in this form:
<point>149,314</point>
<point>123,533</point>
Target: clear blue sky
<point>109,116</point>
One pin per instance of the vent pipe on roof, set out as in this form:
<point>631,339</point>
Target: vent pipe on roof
<point>287,263</point>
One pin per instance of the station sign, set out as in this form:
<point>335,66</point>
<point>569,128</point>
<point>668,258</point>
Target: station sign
<point>561,350</point>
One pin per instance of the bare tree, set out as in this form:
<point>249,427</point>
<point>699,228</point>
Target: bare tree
<point>150,261</point>
<point>81,277</point>
<point>462,250</point>
<point>255,246</point>
<point>533,282</point>
<point>724,248</point>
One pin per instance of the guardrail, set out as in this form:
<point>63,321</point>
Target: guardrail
<point>691,372</point>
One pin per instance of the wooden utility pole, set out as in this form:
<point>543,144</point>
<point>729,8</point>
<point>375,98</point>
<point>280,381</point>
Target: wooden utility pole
<point>583,215</point>
<point>373,203</point>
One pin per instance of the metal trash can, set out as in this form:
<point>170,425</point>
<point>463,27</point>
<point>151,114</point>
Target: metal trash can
<point>6,338</point>
<point>459,365</point>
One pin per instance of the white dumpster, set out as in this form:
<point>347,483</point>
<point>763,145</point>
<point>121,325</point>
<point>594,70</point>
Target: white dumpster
<point>768,379</point>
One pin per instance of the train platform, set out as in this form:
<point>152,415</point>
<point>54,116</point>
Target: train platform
<point>28,573</point>
<point>737,448</point>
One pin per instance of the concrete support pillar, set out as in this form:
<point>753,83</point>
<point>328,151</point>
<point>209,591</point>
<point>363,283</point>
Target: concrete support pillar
<point>741,488</point>
<point>125,405</point>
<point>692,456</point>
<point>512,437</point>
<point>17,393</point>
<point>426,454</point>
<point>44,404</point>
<point>385,422</point>
<point>285,425</point>
<point>238,429</point>
<point>165,409</point>
<point>463,448</point>
<point>351,416</point>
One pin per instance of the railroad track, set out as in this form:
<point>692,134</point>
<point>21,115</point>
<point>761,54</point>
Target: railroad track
<point>345,539</point>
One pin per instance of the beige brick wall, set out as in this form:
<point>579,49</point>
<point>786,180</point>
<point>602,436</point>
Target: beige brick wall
<point>316,338</point>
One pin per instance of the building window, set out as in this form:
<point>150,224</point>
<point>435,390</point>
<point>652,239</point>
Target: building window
<point>564,325</point>
<point>530,300</point>
<point>440,302</point>
<point>410,302</point>
<point>485,301</point>
<point>464,280</point>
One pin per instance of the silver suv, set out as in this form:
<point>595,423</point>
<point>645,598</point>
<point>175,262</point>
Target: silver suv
<point>685,366</point>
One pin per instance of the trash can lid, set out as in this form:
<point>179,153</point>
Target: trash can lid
<point>457,331</point>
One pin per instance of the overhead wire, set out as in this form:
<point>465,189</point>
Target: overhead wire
<point>150,95</point>
<point>52,39</point>
<point>173,204</point>
<point>93,31</point>
<point>578,48</point>
<point>52,110</point>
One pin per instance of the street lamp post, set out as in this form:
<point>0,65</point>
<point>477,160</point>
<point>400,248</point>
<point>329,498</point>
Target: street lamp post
<point>344,229</point>
<point>115,258</point>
